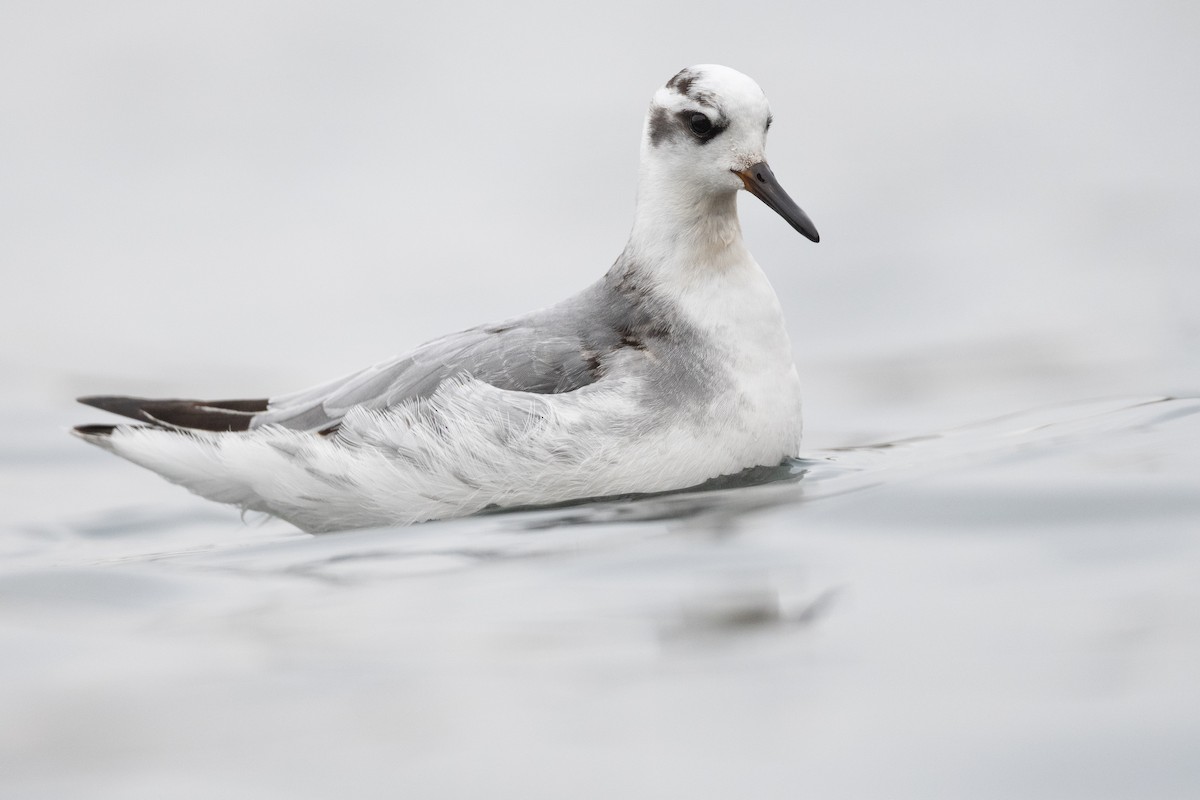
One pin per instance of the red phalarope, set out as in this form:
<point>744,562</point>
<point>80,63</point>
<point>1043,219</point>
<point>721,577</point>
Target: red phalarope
<point>674,368</point>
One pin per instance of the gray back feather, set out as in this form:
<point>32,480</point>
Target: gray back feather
<point>558,349</point>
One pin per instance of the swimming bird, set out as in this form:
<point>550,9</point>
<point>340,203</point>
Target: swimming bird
<point>672,369</point>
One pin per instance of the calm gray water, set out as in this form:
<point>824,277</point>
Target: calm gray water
<point>245,198</point>
<point>1004,609</point>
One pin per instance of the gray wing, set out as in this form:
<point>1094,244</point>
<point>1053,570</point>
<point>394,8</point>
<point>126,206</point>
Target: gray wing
<point>559,349</point>
<point>529,355</point>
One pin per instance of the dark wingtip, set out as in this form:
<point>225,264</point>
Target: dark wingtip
<point>94,430</point>
<point>206,415</point>
<point>125,406</point>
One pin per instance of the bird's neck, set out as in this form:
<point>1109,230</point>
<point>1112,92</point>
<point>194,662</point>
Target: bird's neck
<point>681,233</point>
<point>686,251</point>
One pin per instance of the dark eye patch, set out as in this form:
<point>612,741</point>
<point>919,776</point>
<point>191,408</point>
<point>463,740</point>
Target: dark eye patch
<point>701,126</point>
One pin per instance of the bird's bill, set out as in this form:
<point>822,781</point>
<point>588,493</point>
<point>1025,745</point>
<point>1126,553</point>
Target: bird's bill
<point>761,183</point>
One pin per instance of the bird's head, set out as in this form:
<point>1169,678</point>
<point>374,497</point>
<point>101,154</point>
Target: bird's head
<point>706,134</point>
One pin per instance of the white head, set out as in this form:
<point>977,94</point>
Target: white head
<point>706,135</point>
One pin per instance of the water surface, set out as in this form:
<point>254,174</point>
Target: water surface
<point>1008,608</point>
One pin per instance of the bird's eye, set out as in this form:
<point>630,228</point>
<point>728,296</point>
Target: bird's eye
<point>700,124</point>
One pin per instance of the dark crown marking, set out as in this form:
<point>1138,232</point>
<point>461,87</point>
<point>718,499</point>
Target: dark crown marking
<point>684,83</point>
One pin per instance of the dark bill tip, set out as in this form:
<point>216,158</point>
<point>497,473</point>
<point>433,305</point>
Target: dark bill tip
<point>760,182</point>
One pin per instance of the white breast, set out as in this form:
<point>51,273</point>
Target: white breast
<point>758,419</point>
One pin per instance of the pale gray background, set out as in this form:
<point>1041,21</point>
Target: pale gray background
<point>230,199</point>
